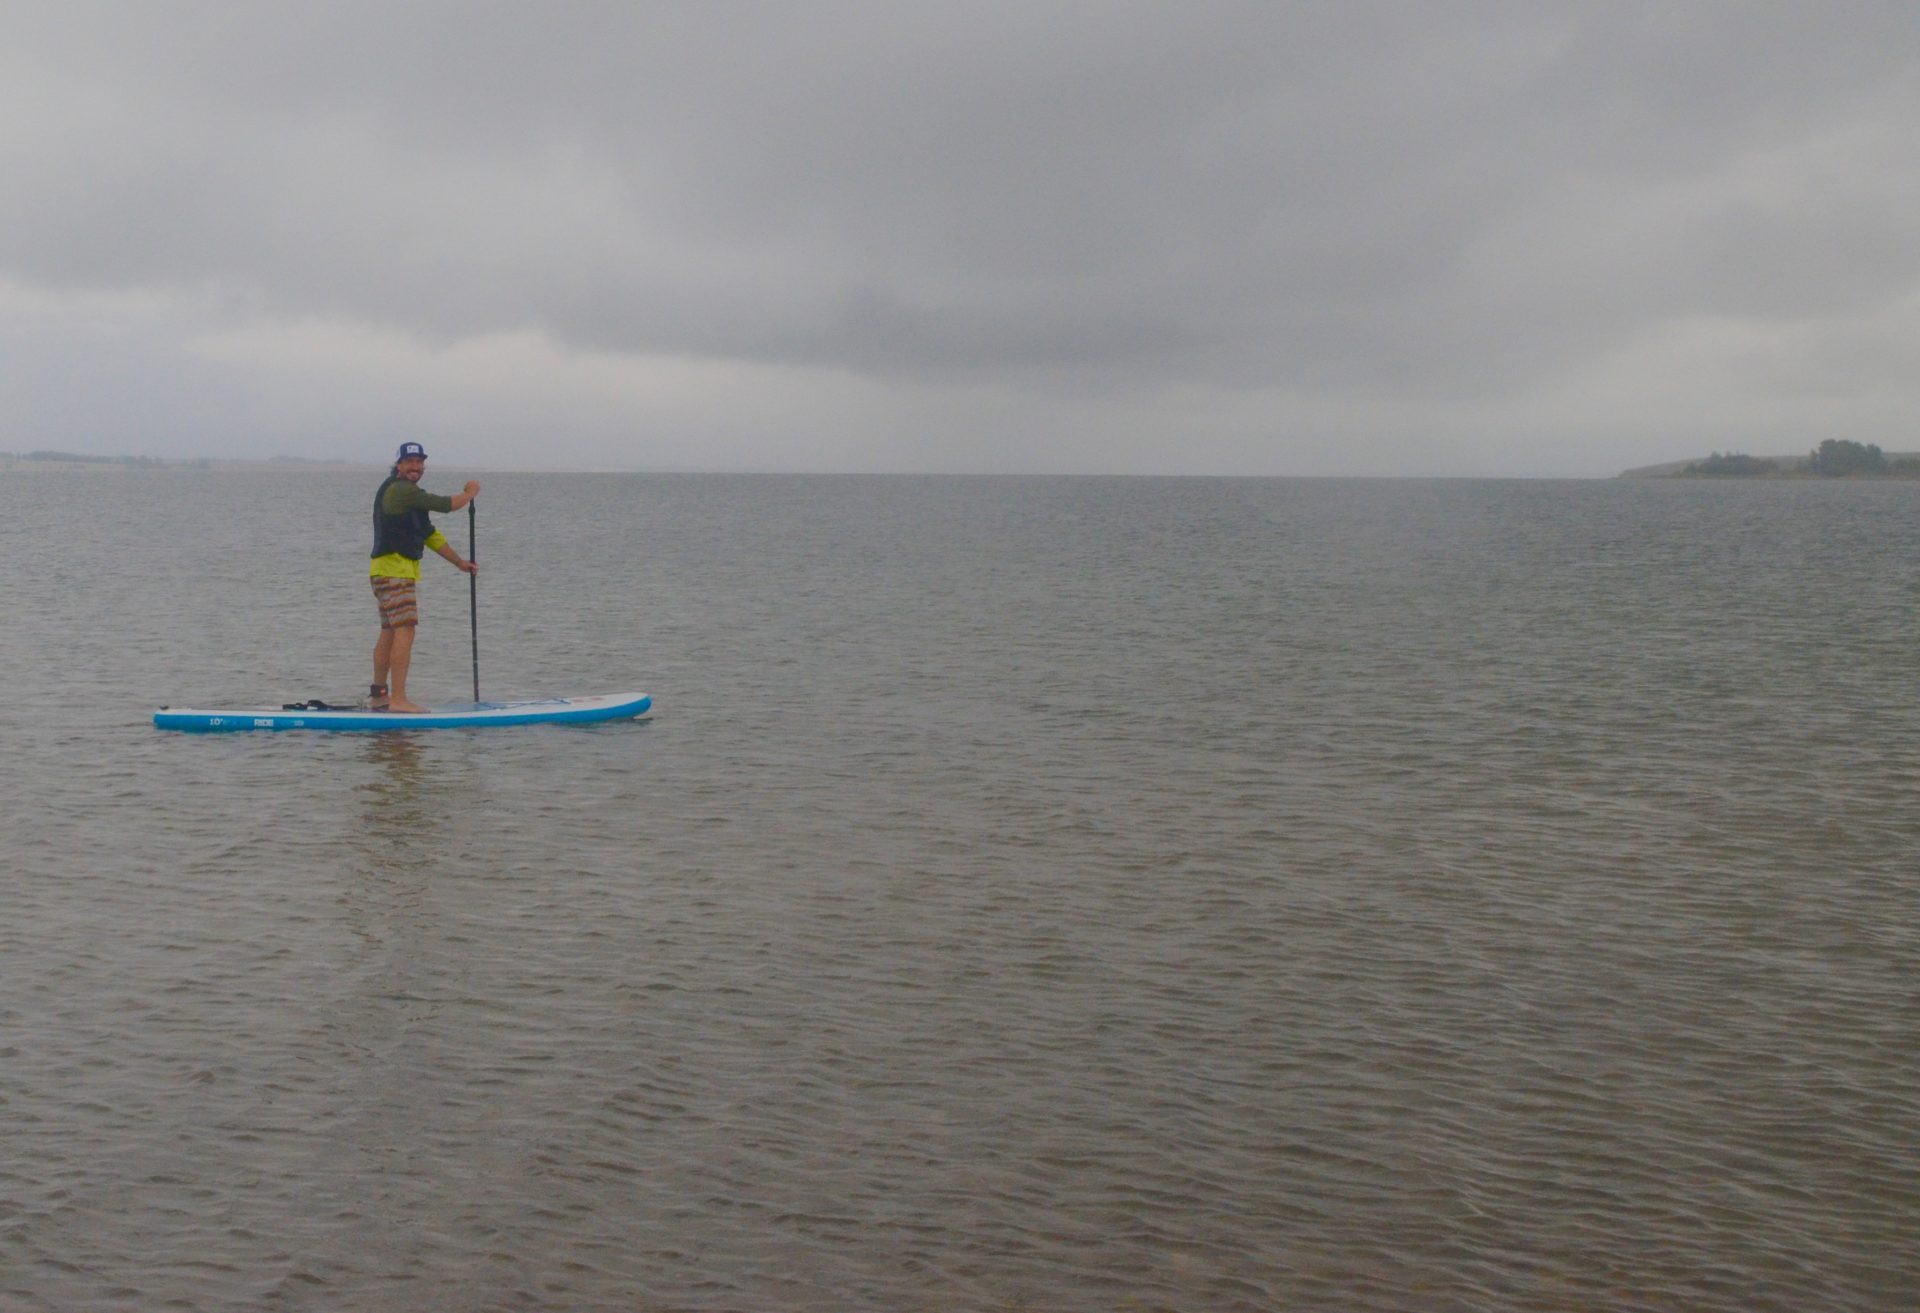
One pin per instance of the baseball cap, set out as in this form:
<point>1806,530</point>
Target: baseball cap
<point>408,449</point>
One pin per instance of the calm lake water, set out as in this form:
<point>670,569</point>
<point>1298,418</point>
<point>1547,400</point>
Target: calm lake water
<point>1050,894</point>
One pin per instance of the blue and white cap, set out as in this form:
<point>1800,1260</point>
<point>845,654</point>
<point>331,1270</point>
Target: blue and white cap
<point>408,450</point>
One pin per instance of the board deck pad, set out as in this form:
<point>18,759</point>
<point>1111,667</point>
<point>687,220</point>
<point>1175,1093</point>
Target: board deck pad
<point>466,715</point>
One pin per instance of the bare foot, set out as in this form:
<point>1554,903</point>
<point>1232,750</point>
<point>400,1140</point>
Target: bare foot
<point>402,704</point>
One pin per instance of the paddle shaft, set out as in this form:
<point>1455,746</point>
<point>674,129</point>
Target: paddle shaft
<point>473,599</point>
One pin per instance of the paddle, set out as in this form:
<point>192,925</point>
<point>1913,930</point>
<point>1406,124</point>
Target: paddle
<point>473,601</point>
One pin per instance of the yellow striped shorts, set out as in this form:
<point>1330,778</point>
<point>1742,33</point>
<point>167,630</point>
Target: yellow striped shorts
<point>398,606</point>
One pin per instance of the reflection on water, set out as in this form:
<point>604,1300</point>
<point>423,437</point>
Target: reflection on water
<point>394,797</point>
<point>397,830</point>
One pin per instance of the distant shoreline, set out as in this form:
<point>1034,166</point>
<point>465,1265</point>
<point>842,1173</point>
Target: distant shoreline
<point>1899,467</point>
<point>62,461</point>
<point>1831,460</point>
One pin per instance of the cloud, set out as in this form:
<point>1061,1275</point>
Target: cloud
<point>1092,226</point>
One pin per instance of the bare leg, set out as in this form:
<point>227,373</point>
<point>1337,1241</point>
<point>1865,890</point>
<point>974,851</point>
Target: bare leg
<point>382,659</point>
<point>399,656</point>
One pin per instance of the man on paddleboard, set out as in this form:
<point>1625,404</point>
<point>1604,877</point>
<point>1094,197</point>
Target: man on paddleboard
<point>401,534</point>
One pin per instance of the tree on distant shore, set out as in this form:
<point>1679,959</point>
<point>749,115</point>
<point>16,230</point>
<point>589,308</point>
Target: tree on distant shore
<point>1733,465</point>
<point>1837,457</point>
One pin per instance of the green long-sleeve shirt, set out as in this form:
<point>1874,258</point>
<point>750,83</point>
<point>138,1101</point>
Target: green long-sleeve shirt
<point>401,497</point>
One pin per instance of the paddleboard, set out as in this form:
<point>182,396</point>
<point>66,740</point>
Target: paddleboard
<point>469,715</point>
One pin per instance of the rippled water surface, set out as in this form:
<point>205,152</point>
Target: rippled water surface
<point>1029,894</point>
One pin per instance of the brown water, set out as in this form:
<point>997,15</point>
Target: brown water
<point>1029,894</point>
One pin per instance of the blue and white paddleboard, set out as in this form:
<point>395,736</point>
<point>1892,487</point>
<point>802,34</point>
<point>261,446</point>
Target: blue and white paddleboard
<point>469,715</point>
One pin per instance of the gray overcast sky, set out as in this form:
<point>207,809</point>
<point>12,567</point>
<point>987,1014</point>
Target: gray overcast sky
<point>1317,238</point>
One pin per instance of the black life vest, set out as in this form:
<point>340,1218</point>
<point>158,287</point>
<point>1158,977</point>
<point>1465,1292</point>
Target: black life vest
<point>406,534</point>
